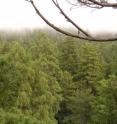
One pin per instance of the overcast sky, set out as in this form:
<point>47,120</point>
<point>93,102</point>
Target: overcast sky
<point>19,14</point>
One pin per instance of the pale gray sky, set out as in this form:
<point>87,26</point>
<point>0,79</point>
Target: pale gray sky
<point>19,14</point>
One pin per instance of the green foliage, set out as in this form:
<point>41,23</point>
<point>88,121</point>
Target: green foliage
<point>90,70</point>
<point>105,105</point>
<point>80,90</point>
<point>15,118</point>
<point>9,83</point>
<point>29,81</point>
<point>61,82</point>
<point>45,98</point>
<point>69,56</point>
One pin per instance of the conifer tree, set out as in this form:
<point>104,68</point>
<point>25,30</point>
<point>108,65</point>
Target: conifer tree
<point>105,104</point>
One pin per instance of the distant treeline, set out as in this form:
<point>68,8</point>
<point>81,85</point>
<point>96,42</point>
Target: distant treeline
<point>47,78</point>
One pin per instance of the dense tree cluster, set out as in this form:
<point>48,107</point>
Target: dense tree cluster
<point>44,80</point>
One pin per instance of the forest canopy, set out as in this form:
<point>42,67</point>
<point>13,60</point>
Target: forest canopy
<point>51,79</point>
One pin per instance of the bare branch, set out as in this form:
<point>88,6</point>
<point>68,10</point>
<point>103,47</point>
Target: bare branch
<point>97,3</point>
<point>53,26</point>
<point>71,21</point>
<point>28,0</point>
<point>84,35</point>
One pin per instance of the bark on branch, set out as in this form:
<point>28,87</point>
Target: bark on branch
<point>83,34</point>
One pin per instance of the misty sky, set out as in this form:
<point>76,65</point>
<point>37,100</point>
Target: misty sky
<point>19,14</point>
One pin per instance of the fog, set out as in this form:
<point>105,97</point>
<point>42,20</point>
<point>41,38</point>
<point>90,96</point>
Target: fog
<point>19,14</point>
